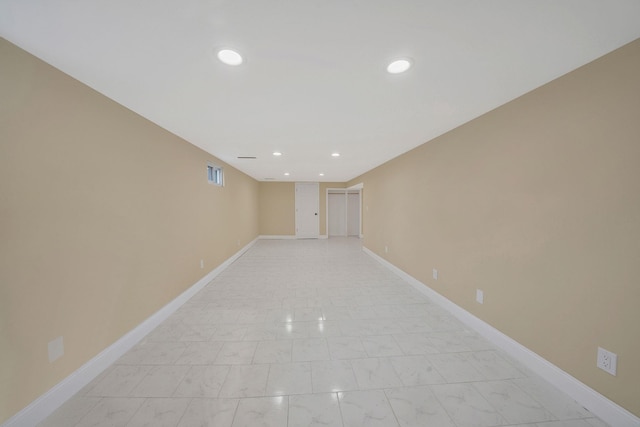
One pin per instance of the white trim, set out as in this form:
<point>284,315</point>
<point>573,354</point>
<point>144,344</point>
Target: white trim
<point>47,403</point>
<point>358,186</point>
<point>609,411</point>
<point>276,237</point>
<point>323,236</point>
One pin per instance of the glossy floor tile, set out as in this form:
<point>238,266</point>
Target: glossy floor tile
<point>316,333</point>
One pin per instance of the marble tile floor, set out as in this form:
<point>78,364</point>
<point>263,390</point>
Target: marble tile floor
<point>316,333</point>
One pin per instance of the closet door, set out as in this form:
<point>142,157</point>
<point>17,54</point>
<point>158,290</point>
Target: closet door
<point>337,214</point>
<point>353,214</point>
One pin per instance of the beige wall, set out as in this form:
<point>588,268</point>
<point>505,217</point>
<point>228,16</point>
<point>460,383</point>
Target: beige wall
<point>104,218</point>
<point>538,204</point>
<point>277,207</point>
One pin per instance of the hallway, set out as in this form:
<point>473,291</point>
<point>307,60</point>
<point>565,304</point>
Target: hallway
<point>316,333</point>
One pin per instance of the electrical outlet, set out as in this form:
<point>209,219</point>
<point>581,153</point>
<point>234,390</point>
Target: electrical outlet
<point>386,249</point>
<point>479,296</point>
<point>435,274</point>
<point>56,349</point>
<point>201,263</point>
<point>607,361</point>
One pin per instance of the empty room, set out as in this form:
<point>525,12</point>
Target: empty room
<point>356,213</point>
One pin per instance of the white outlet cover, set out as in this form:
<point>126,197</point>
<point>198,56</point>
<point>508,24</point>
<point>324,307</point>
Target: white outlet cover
<point>479,296</point>
<point>435,274</point>
<point>607,361</point>
<point>56,349</point>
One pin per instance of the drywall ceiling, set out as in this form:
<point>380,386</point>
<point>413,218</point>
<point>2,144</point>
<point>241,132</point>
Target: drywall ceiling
<point>314,79</point>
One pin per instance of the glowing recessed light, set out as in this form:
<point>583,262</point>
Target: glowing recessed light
<point>229,57</point>
<point>335,154</point>
<point>321,174</point>
<point>399,66</point>
<point>277,153</point>
<point>287,174</point>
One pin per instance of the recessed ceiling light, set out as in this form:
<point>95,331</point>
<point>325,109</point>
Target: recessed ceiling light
<point>229,57</point>
<point>277,153</point>
<point>321,174</point>
<point>399,66</point>
<point>287,174</point>
<point>335,154</point>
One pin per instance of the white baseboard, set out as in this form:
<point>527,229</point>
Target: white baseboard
<point>607,410</point>
<point>287,237</point>
<point>46,404</point>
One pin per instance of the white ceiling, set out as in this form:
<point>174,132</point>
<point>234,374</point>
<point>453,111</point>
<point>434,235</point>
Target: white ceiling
<point>314,78</point>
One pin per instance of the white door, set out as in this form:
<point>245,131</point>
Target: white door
<point>337,214</point>
<point>353,213</point>
<point>307,204</point>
